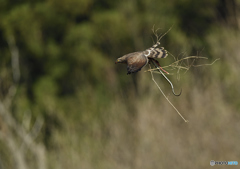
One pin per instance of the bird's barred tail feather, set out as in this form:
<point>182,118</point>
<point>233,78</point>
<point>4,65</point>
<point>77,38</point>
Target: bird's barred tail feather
<point>154,52</point>
<point>159,53</point>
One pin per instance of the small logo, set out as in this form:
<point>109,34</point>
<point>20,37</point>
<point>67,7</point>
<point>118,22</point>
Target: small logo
<point>232,163</point>
<point>212,162</point>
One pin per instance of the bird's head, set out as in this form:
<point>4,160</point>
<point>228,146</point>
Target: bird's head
<point>119,60</point>
<point>122,59</point>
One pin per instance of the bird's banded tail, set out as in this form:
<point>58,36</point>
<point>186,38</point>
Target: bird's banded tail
<point>156,52</point>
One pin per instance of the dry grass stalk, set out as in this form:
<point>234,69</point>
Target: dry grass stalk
<point>165,95</point>
<point>177,64</point>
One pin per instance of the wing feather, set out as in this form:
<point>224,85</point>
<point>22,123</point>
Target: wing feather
<point>135,62</point>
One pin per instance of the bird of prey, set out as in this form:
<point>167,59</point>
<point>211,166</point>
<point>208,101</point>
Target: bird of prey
<point>137,60</point>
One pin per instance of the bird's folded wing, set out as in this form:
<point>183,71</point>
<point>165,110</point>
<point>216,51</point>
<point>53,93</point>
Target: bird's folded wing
<point>136,62</point>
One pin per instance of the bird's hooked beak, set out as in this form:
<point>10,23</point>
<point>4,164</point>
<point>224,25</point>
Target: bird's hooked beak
<point>117,61</point>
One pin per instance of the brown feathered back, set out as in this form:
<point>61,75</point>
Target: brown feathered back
<point>135,62</point>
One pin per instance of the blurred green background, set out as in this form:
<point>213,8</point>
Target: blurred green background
<point>65,104</point>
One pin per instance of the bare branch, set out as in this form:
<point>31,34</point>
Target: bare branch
<point>158,68</point>
<point>207,64</point>
<point>156,34</point>
<point>28,139</point>
<point>167,97</point>
<point>15,131</point>
<point>177,63</point>
<point>16,153</point>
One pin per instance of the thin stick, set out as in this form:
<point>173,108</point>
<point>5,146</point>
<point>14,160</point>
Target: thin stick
<point>157,36</point>
<point>153,61</point>
<point>166,97</point>
<point>186,58</point>
<point>165,33</point>
<point>175,64</point>
<point>207,64</point>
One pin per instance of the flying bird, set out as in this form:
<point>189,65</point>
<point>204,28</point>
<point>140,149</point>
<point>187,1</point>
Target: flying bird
<point>137,60</point>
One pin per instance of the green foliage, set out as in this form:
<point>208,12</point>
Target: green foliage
<point>71,8</point>
<point>90,107</point>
